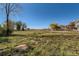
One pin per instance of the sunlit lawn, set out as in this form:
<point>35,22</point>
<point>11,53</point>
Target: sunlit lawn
<point>43,42</point>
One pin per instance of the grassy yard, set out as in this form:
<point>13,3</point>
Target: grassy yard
<point>42,43</point>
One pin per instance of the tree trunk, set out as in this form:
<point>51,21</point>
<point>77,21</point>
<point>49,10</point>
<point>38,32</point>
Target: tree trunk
<point>7,18</point>
<point>7,30</point>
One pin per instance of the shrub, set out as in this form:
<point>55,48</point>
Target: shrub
<point>2,40</point>
<point>4,31</point>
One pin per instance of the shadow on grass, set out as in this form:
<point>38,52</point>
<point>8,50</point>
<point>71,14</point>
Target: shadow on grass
<point>18,35</point>
<point>12,35</point>
<point>47,36</point>
<point>1,35</point>
<point>21,35</point>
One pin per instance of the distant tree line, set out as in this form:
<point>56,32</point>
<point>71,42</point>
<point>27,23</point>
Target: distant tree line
<point>69,27</point>
<point>12,26</point>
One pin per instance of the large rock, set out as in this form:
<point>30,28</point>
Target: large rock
<point>22,47</point>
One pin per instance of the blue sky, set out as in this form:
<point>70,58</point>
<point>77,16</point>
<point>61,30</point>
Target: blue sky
<point>41,15</point>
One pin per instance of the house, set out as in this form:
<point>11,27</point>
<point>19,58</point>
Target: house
<point>77,25</point>
<point>22,28</point>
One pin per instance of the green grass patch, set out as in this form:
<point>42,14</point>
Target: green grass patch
<point>43,43</point>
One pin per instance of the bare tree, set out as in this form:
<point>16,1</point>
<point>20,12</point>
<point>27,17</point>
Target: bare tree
<point>9,9</point>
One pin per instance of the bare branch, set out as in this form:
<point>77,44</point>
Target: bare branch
<point>9,9</point>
